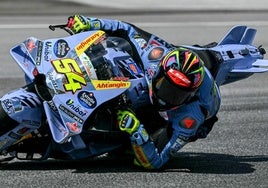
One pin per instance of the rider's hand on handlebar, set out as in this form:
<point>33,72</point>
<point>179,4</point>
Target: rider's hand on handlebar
<point>127,121</point>
<point>130,124</point>
<point>78,23</point>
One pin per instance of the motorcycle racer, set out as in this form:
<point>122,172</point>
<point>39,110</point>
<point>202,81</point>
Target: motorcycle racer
<point>179,86</point>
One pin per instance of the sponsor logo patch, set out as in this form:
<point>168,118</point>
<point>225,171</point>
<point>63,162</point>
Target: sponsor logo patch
<point>105,84</point>
<point>87,99</point>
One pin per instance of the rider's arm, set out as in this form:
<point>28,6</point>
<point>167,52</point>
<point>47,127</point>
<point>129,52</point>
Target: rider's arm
<point>136,36</point>
<point>185,122</point>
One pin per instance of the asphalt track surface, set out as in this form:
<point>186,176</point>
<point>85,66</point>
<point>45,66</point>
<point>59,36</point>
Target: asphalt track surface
<point>235,154</point>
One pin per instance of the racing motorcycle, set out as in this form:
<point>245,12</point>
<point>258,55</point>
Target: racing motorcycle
<point>84,78</point>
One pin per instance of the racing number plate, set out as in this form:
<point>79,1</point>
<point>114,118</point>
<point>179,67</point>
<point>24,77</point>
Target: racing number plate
<point>72,72</point>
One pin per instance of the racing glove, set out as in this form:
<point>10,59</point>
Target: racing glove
<point>78,23</point>
<point>130,124</point>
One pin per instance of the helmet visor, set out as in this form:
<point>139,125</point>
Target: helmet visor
<point>166,94</point>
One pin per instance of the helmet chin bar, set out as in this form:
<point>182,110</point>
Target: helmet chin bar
<point>160,104</point>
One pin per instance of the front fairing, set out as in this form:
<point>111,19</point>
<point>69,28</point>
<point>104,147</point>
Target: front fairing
<point>71,78</point>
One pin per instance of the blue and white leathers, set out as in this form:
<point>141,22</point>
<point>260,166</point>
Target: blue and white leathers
<point>185,120</point>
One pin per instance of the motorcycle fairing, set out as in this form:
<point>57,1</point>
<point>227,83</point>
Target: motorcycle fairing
<point>240,61</point>
<point>238,44</point>
<point>23,58</point>
<point>259,66</point>
<point>239,35</point>
<point>69,75</point>
<point>71,115</point>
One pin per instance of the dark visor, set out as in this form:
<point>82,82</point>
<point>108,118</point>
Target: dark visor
<point>168,94</point>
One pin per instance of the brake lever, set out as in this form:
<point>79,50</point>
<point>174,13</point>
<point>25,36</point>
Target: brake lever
<point>62,26</point>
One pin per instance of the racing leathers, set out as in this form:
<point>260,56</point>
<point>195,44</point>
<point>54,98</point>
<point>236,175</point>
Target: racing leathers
<point>184,124</point>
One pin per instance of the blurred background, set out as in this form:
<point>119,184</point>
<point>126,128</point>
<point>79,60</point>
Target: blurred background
<point>177,21</point>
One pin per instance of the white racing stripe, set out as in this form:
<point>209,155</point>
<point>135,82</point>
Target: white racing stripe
<point>150,24</point>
